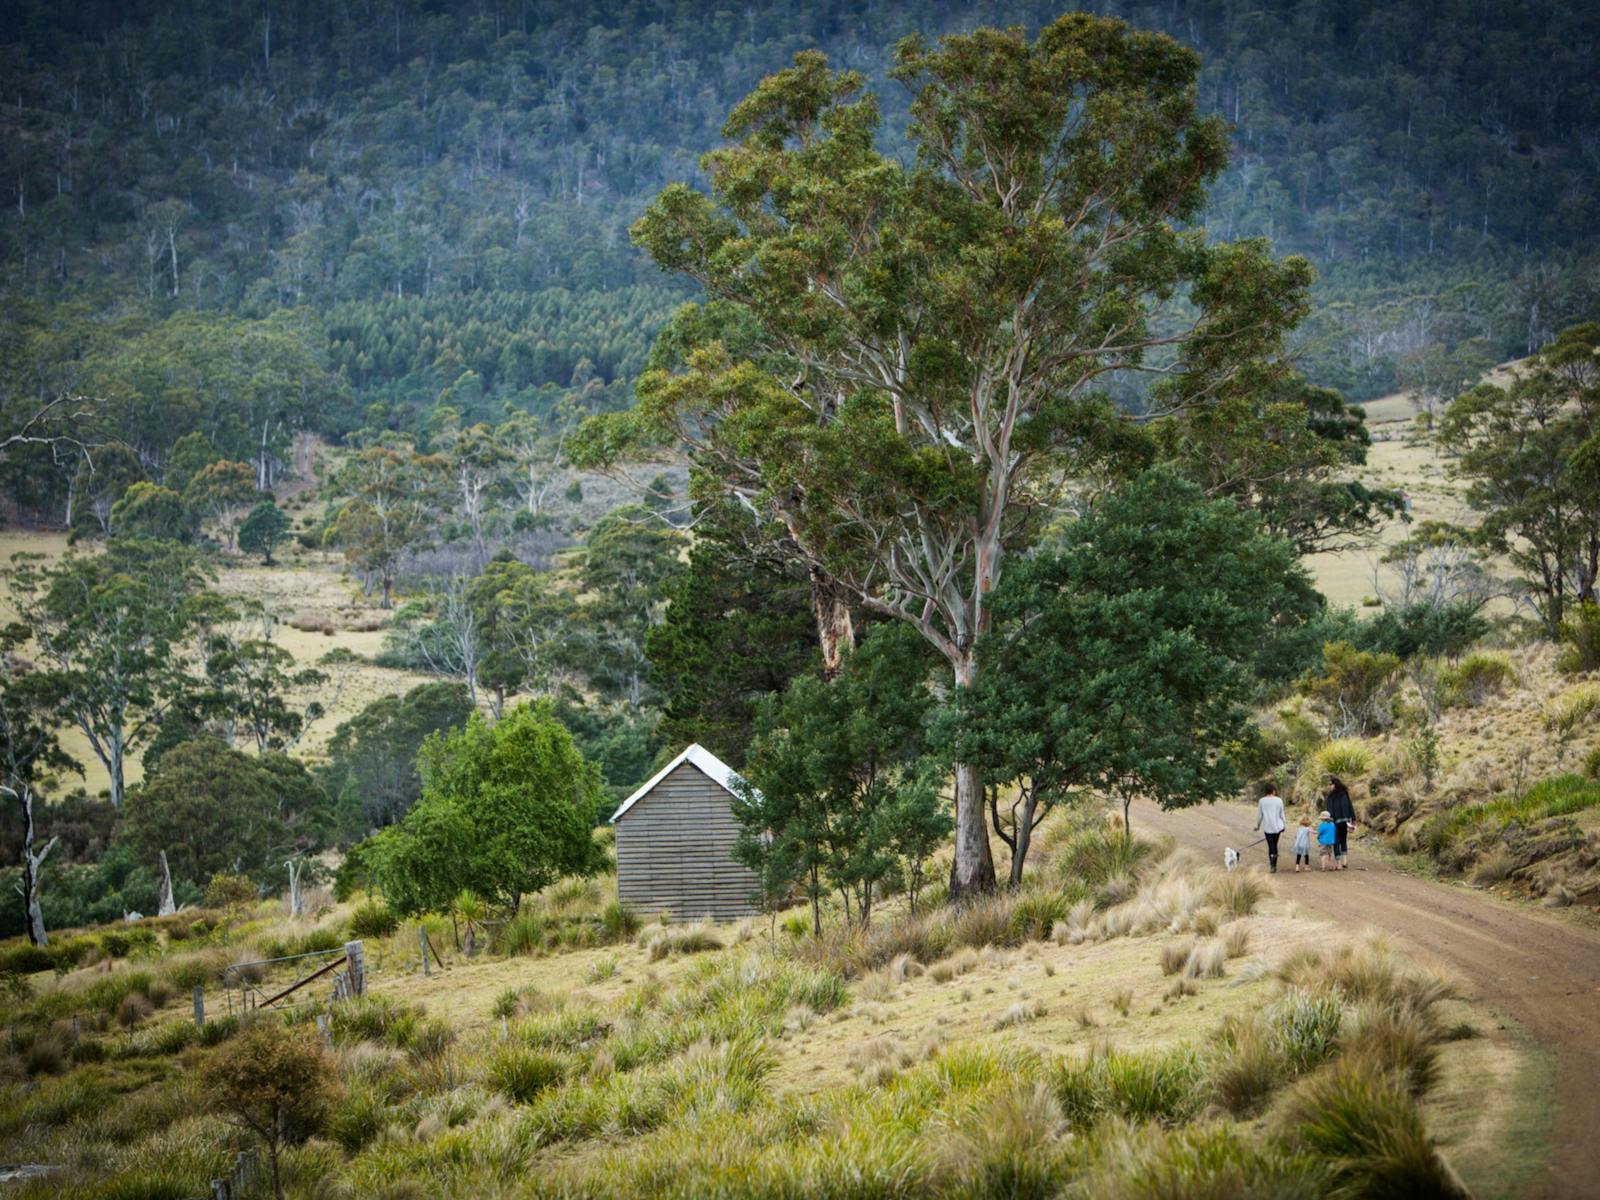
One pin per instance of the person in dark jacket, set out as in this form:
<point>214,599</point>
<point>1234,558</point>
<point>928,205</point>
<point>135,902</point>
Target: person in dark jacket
<point>1343,811</point>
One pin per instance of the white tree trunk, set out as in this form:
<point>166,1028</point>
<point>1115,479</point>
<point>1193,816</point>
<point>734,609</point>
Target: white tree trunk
<point>167,907</point>
<point>32,862</point>
<point>297,904</point>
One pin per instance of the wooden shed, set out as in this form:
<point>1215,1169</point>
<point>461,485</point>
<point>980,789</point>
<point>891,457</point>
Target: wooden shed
<point>675,839</point>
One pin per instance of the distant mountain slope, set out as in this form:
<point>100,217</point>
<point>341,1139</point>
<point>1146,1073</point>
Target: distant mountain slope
<point>385,161</point>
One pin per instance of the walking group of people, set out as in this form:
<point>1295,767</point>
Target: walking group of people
<point>1337,818</point>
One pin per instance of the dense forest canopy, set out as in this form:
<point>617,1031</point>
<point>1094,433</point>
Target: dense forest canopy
<point>441,190</point>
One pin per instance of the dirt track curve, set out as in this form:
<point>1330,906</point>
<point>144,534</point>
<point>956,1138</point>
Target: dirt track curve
<point>1541,971</point>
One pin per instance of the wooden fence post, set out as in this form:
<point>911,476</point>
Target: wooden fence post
<point>356,967</point>
<point>200,1007</point>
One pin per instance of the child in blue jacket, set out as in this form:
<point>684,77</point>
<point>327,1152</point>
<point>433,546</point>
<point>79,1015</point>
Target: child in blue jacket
<point>1327,835</point>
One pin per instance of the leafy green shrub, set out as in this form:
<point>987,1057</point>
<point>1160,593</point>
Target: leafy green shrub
<point>372,920</point>
<point>24,958</point>
<point>1421,629</point>
<point>1355,689</point>
<point>1475,679</point>
<point>1580,640</point>
<point>1360,1120</point>
<point>231,891</point>
<point>520,1072</point>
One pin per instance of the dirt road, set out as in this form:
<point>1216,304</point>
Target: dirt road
<point>1541,971</point>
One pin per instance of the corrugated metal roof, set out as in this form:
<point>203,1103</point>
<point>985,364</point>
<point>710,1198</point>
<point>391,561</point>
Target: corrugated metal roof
<point>709,765</point>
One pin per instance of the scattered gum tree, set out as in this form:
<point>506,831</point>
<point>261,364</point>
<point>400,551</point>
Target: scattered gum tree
<point>114,630</point>
<point>901,367</point>
<point>1530,452</point>
<point>391,496</point>
<point>506,810</point>
<point>1123,660</point>
<point>29,749</point>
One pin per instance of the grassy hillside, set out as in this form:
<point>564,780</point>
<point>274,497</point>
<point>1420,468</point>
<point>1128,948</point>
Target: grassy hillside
<point>1167,1023</point>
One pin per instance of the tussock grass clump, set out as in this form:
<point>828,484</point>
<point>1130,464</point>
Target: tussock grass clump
<point>132,1009</point>
<point>1157,1086</point>
<point>1399,1041</point>
<point>1348,757</point>
<point>1361,1120</point>
<point>1206,961</point>
<point>1094,856</point>
<point>1202,1162</point>
<point>1175,956</point>
<point>662,941</point>
<point>957,964</point>
<point>1248,1066</point>
<point>1563,714</point>
<point>601,969</point>
<point>1364,972</point>
<point>1237,893</point>
<point>1236,939</point>
<point>1306,1027</point>
<point>1020,1013</point>
<point>1009,1145</point>
<point>520,1073</point>
<point>1493,867</point>
<point>374,1019</point>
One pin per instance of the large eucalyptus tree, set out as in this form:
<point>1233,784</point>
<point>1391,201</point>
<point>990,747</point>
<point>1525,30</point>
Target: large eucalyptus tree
<point>902,365</point>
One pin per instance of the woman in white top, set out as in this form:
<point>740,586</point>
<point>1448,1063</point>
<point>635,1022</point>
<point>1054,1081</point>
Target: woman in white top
<point>1270,821</point>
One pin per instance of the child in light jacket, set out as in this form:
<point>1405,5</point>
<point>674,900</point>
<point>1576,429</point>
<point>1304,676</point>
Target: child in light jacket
<point>1327,835</point>
<point>1302,846</point>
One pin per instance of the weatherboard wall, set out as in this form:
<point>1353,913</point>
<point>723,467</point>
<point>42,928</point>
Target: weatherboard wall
<point>674,851</point>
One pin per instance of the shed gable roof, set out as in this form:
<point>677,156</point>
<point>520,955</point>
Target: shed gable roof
<point>708,764</point>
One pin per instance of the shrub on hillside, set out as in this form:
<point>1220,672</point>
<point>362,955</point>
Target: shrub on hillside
<point>1475,679</point>
<point>1354,690</point>
<point>372,920</point>
<point>274,1081</point>
<point>230,891</point>
<point>1580,641</point>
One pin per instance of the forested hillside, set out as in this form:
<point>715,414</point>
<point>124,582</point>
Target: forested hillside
<point>439,192</point>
